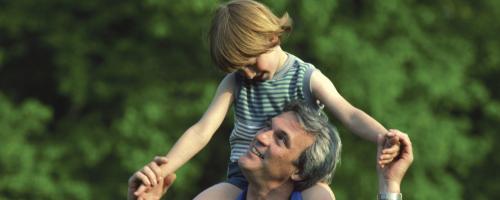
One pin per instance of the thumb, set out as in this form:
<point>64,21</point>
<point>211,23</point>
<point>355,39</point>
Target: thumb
<point>169,180</point>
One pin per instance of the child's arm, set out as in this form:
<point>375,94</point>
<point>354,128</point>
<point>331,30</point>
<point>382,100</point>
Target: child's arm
<point>198,135</point>
<point>354,119</point>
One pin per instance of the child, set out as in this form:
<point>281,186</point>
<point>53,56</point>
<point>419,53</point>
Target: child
<point>261,79</point>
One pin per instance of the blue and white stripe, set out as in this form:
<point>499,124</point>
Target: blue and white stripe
<point>258,101</point>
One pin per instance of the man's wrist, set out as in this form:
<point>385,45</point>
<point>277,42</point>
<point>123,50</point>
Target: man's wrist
<point>386,186</point>
<point>390,196</point>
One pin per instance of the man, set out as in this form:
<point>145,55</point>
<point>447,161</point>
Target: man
<point>298,149</point>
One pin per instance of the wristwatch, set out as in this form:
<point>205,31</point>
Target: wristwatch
<point>390,196</point>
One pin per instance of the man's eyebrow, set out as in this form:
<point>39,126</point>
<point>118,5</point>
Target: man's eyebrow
<point>280,131</point>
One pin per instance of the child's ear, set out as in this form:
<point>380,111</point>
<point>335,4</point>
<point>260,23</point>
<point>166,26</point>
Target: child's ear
<point>296,176</point>
<point>275,39</point>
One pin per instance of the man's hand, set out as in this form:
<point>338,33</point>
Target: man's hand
<point>391,175</point>
<point>147,178</point>
<point>156,192</point>
<point>390,149</point>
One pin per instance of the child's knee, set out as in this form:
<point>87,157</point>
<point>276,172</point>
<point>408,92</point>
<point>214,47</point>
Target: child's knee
<point>320,191</point>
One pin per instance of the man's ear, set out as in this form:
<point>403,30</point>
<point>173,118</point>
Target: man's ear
<point>296,176</point>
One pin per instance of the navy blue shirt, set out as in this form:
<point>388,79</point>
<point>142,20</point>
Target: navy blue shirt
<point>295,195</point>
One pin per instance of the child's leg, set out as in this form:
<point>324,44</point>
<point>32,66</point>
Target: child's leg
<point>320,191</point>
<point>222,191</point>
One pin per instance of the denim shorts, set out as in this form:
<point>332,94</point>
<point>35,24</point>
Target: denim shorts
<point>235,176</point>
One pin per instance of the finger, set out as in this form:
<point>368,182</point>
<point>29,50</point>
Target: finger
<point>386,161</point>
<point>143,178</point>
<point>407,149</point>
<point>386,158</point>
<point>395,131</point>
<point>381,165</point>
<point>389,133</point>
<point>141,190</point>
<point>389,155</point>
<point>390,150</point>
<point>380,145</point>
<point>156,169</point>
<point>160,160</point>
<point>151,175</point>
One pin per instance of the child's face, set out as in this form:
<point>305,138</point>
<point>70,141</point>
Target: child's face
<point>265,65</point>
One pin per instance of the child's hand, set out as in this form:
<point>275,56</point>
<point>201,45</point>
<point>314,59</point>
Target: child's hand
<point>391,148</point>
<point>150,175</point>
<point>156,192</point>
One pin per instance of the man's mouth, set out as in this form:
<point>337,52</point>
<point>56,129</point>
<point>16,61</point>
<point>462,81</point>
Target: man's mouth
<point>256,152</point>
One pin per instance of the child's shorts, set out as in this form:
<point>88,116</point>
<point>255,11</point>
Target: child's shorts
<point>235,176</point>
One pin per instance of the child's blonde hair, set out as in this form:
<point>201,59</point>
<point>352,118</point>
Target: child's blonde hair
<point>242,29</point>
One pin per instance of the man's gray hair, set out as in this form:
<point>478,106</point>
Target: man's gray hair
<point>318,161</point>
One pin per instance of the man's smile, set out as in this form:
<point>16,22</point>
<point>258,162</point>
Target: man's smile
<point>256,152</point>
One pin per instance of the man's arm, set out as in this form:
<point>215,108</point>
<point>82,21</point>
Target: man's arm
<point>391,175</point>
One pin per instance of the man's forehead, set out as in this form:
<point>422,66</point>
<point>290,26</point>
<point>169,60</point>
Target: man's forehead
<point>287,120</point>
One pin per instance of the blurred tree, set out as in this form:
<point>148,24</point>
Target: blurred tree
<point>90,91</point>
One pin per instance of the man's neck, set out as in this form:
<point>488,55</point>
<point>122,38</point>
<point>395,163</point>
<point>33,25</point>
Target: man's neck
<point>269,191</point>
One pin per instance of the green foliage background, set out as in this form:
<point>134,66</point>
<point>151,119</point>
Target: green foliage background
<point>91,90</point>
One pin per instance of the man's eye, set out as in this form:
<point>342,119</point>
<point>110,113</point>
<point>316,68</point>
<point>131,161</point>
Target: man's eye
<point>281,137</point>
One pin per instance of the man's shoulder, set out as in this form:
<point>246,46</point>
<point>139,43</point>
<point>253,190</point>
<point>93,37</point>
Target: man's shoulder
<point>319,191</point>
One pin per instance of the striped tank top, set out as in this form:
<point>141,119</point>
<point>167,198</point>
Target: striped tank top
<point>258,101</point>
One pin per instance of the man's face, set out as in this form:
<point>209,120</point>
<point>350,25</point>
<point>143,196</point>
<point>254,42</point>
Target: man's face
<point>272,153</point>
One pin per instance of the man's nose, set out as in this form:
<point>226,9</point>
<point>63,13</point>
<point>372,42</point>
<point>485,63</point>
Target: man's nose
<point>264,137</point>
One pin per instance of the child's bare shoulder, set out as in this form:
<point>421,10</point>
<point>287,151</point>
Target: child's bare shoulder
<point>229,79</point>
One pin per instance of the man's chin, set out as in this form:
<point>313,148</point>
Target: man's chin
<point>249,161</point>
